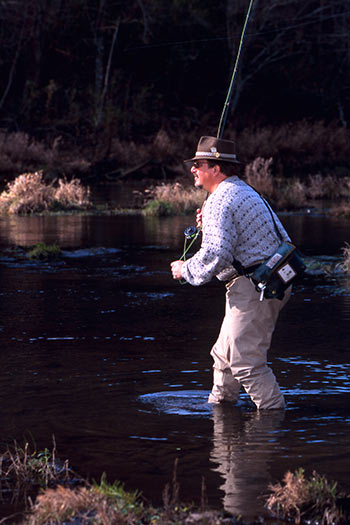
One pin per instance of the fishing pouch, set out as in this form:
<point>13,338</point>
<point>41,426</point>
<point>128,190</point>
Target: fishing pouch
<point>278,272</point>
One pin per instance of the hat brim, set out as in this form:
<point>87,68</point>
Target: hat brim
<point>218,160</point>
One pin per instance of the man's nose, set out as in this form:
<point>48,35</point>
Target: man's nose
<point>193,169</point>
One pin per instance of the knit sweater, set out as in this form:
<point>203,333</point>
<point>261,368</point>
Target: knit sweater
<point>236,224</point>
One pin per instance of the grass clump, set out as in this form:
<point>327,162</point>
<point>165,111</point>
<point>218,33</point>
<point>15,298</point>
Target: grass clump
<point>159,208</point>
<point>173,199</point>
<point>346,258</point>
<point>341,211</point>
<point>25,471</point>
<point>29,193</point>
<point>292,193</point>
<point>313,500</point>
<point>98,504</point>
<point>44,251</point>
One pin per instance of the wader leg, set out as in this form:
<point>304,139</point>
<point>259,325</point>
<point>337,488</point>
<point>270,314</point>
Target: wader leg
<point>243,343</point>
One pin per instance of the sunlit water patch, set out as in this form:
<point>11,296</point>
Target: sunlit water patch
<point>318,377</point>
<point>183,402</point>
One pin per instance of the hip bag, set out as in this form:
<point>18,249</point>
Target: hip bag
<point>272,277</point>
<point>278,272</point>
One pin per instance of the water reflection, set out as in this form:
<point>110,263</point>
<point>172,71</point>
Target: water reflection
<point>243,447</point>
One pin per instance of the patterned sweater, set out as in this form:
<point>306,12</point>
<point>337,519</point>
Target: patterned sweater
<point>236,224</point>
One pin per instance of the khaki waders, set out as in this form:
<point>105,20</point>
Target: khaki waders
<point>240,352</point>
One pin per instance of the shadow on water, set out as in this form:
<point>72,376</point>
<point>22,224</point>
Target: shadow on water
<point>106,352</point>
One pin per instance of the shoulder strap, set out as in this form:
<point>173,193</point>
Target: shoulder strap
<point>236,263</point>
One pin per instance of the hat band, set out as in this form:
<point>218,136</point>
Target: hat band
<point>215,154</point>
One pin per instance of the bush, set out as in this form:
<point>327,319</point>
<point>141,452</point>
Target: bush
<point>29,193</point>
<point>44,251</point>
<point>19,151</point>
<point>173,198</point>
<point>314,499</point>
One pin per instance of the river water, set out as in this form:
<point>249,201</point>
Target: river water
<point>103,350</point>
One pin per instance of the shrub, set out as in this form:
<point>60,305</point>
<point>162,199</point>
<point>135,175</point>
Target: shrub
<point>44,251</point>
<point>314,499</point>
<point>346,258</point>
<point>173,198</point>
<point>258,174</point>
<point>159,208</point>
<point>29,193</point>
<point>341,210</point>
<point>283,193</point>
<point>24,470</point>
<point>18,151</point>
<point>299,146</point>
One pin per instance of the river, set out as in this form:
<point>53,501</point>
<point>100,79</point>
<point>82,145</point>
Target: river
<point>103,350</point>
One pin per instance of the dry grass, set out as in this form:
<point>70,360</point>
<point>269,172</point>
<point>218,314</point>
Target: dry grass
<point>259,175</point>
<point>346,258</point>
<point>84,504</point>
<point>173,199</point>
<point>313,500</point>
<point>23,470</point>
<point>106,504</point>
<point>29,193</point>
<point>284,194</point>
<point>19,151</point>
<point>292,193</point>
<point>341,210</point>
<point>299,146</point>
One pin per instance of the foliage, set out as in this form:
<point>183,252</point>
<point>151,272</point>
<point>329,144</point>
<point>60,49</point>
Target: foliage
<point>29,193</point>
<point>20,151</point>
<point>292,193</point>
<point>57,496</point>
<point>346,256</point>
<point>24,470</point>
<point>173,199</point>
<point>44,251</point>
<point>313,499</point>
<point>341,210</point>
<point>110,68</point>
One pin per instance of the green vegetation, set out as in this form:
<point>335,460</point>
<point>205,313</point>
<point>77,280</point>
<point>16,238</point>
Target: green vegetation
<point>25,471</point>
<point>44,251</point>
<point>173,199</point>
<point>49,492</point>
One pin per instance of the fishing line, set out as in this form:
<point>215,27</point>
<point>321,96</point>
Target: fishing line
<point>226,108</point>
<point>191,233</point>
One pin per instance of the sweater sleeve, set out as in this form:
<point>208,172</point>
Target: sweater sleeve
<point>219,238</point>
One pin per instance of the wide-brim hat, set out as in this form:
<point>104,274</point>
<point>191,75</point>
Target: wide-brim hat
<point>212,148</point>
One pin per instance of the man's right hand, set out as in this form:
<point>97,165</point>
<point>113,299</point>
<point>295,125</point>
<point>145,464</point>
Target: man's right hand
<point>199,218</point>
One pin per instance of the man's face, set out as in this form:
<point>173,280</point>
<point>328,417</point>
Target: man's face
<point>202,173</point>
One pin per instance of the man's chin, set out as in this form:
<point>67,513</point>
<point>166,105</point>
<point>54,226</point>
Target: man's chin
<point>197,184</point>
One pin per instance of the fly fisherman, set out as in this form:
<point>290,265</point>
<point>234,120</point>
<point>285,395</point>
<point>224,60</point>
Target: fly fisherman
<point>236,225</point>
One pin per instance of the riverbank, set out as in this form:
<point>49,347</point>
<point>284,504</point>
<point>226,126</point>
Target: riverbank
<point>59,496</point>
<point>296,149</point>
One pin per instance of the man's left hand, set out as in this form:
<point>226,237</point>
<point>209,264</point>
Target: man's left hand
<point>176,269</point>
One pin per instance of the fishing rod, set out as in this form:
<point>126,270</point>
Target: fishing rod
<point>191,232</point>
<point>226,107</point>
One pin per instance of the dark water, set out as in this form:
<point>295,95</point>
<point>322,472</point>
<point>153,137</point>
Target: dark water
<point>107,353</point>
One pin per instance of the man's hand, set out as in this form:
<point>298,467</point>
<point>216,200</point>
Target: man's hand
<point>176,269</point>
<point>199,218</point>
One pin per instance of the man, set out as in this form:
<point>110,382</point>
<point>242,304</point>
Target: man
<point>237,226</point>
